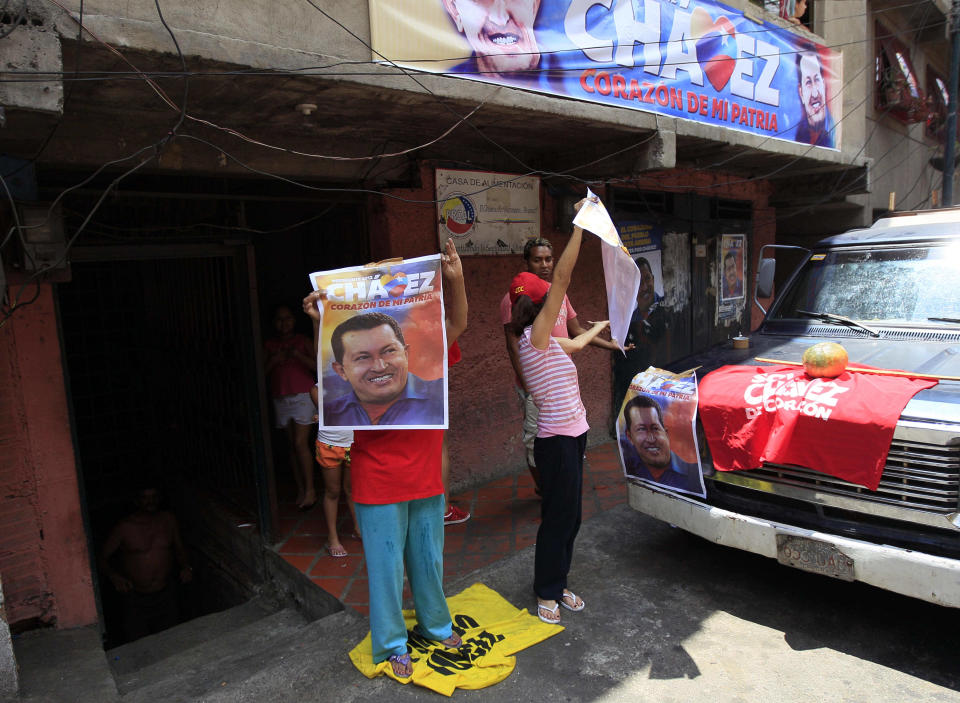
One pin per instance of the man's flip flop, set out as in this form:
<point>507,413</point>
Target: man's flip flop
<point>400,664</point>
<point>555,610</point>
<point>573,599</point>
<point>452,642</point>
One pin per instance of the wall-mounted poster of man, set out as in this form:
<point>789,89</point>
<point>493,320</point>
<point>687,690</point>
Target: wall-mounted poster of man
<point>655,429</point>
<point>731,266</point>
<point>382,349</point>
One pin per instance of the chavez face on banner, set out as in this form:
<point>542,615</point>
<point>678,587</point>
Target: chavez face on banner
<point>656,431</point>
<point>382,350</point>
<point>691,59</point>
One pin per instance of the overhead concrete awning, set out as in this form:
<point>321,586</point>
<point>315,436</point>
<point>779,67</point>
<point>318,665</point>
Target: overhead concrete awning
<point>374,122</point>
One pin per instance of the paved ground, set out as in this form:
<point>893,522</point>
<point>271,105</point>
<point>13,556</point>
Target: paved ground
<point>669,617</point>
<point>505,518</point>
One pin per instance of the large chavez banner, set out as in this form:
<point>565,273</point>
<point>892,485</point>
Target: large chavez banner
<point>692,59</point>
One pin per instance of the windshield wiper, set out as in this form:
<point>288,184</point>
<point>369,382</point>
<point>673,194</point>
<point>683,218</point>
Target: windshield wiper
<point>944,319</point>
<point>839,318</point>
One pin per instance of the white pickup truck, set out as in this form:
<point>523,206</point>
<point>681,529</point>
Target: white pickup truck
<point>890,294</point>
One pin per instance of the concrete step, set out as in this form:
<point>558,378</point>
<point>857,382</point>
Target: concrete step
<point>129,658</point>
<point>311,667</point>
<point>207,667</point>
<point>64,666</point>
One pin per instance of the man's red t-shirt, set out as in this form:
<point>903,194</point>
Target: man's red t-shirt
<point>393,466</point>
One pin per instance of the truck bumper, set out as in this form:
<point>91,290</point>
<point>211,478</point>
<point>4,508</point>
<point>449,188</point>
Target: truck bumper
<point>924,576</point>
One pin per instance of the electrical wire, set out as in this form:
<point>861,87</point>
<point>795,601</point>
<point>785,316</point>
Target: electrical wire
<point>101,75</point>
<point>184,115</point>
<point>462,119</point>
<point>40,271</point>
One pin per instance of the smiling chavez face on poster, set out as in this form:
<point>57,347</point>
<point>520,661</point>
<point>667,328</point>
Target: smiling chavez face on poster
<point>690,59</point>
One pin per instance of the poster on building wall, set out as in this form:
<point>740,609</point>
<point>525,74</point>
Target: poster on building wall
<point>644,241</point>
<point>382,350</point>
<point>699,60</point>
<point>656,431</point>
<point>487,213</point>
<point>730,267</point>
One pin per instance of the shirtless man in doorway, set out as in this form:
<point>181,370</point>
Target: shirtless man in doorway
<point>146,545</point>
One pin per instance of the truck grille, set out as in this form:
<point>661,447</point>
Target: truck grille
<point>917,476</point>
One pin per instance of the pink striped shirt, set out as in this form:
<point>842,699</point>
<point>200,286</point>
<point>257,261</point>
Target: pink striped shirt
<point>552,380</point>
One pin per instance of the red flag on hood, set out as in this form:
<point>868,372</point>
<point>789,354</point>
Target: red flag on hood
<point>778,414</point>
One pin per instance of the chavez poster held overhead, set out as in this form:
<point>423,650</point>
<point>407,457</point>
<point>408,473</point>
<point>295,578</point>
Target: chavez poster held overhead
<point>382,355</point>
<point>691,59</point>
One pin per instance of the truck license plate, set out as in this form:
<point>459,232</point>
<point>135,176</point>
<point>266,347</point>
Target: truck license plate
<point>814,556</point>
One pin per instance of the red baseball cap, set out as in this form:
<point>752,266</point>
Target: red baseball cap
<point>528,284</point>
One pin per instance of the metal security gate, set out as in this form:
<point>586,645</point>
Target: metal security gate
<point>160,352</point>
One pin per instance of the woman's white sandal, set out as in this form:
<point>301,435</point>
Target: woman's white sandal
<point>567,593</point>
<point>555,610</point>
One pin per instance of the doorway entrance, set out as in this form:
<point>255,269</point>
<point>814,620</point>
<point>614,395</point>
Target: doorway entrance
<point>161,334</point>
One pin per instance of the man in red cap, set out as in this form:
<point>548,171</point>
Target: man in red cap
<point>535,282</point>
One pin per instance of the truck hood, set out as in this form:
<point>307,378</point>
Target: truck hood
<point>940,403</point>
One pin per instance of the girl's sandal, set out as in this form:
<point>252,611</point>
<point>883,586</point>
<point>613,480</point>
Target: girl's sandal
<point>577,602</point>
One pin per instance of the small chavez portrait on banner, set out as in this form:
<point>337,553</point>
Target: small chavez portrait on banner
<point>815,125</point>
<point>370,353</point>
<point>646,448</point>
<point>500,34</point>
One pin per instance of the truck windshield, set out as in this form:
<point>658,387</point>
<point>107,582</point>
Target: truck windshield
<point>891,285</point>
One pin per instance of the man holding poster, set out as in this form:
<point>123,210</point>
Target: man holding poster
<point>396,473</point>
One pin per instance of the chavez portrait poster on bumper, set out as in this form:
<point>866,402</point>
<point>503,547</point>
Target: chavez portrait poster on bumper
<point>656,431</point>
<point>382,349</point>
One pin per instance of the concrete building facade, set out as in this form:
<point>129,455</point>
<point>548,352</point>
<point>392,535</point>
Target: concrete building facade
<point>176,170</point>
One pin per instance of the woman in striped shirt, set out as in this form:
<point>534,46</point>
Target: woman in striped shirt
<point>551,378</point>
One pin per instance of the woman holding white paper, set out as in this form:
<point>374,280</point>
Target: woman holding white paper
<point>551,378</point>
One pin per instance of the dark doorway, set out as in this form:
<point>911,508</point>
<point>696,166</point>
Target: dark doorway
<point>160,327</point>
<point>691,316</point>
<point>162,385</point>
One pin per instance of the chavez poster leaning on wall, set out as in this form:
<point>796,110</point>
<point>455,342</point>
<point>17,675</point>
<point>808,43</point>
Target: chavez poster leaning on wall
<point>382,355</point>
<point>691,59</point>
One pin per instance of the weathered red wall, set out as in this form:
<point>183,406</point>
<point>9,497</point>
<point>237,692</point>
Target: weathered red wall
<point>484,431</point>
<point>484,416</point>
<point>43,550</point>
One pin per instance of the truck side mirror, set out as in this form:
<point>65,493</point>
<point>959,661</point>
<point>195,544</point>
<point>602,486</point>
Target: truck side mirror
<point>765,277</point>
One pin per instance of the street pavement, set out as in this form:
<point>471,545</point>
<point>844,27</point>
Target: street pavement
<point>671,617</point>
